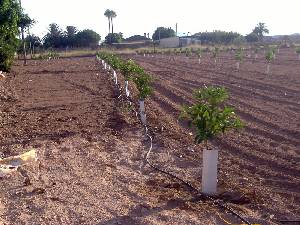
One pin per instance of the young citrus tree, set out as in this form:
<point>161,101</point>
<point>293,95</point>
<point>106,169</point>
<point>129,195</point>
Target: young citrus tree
<point>215,54</point>
<point>269,58</point>
<point>143,83</point>
<point>199,54</point>
<point>128,69</point>
<point>210,117</point>
<point>298,52</point>
<point>239,57</point>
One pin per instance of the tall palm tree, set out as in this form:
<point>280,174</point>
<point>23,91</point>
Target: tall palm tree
<point>112,15</point>
<point>107,13</point>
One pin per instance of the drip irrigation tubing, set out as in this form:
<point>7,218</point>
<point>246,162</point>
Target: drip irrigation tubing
<point>186,183</point>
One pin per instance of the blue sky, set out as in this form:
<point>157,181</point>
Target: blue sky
<point>138,16</point>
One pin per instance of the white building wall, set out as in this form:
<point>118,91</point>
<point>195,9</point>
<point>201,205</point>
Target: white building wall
<point>172,42</point>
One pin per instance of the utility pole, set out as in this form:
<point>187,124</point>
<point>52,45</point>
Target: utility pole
<point>23,39</point>
<point>176,29</point>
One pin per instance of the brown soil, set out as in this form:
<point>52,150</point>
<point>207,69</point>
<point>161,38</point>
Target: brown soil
<point>91,149</point>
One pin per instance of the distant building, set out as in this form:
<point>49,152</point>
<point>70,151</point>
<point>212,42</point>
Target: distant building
<point>175,42</point>
<point>172,42</point>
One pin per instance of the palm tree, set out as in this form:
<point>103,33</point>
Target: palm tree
<point>113,14</point>
<point>107,13</point>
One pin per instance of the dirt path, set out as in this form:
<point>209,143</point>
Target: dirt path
<point>90,152</point>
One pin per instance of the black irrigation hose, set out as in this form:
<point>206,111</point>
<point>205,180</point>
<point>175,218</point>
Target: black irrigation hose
<point>289,221</point>
<point>189,185</point>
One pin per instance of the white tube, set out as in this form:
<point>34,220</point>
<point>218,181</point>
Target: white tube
<point>142,111</point>
<point>209,172</point>
<point>199,60</point>
<point>238,65</point>
<point>105,66</point>
<point>115,77</point>
<point>268,68</point>
<point>126,89</point>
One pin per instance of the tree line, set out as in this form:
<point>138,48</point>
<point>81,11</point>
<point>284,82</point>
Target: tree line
<point>70,37</point>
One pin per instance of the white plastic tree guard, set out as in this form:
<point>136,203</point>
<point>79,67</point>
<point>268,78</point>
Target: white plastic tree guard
<point>238,65</point>
<point>199,60</point>
<point>268,68</point>
<point>126,89</point>
<point>105,66</point>
<point>142,111</point>
<point>210,171</point>
<point>115,77</point>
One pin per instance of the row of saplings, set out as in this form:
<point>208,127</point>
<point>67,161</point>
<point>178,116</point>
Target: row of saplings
<point>270,54</point>
<point>209,115</point>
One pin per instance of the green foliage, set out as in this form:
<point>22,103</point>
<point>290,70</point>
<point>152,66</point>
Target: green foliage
<point>143,84</point>
<point>239,54</point>
<point>217,37</point>
<point>110,14</point>
<point>25,20</point>
<point>209,115</point>
<point>298,50</point>
<point>87,38</point>
<point>269,56</point>
<point>188,52</point>
<point>163,32</point>
<point>49,55</point>
<point>114,38</point>
<point>252,37</point>
<point>260,30</point>
<point>130,68</point>
<point>137,38</point>
<point>215,52</point>
<point>199,52</point>
<point>131,71</point>
<point>57,38</point>
<point>9,20</point>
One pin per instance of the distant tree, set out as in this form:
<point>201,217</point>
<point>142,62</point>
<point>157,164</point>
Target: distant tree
<point>87,38</point>
<point>137,38</point>
<point>9,20</point>
<point>32,42</point>
<point>25,22</point>
<point>70,34</point>
<point>55,37</point>
<point>163,32</point>
<point>217,37</point>
<point>71,31</point>
<point>107,13</point>
<point>110,14</point>
<point>252,37</point>
<point>114,38</point>
<point>260,30</point>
